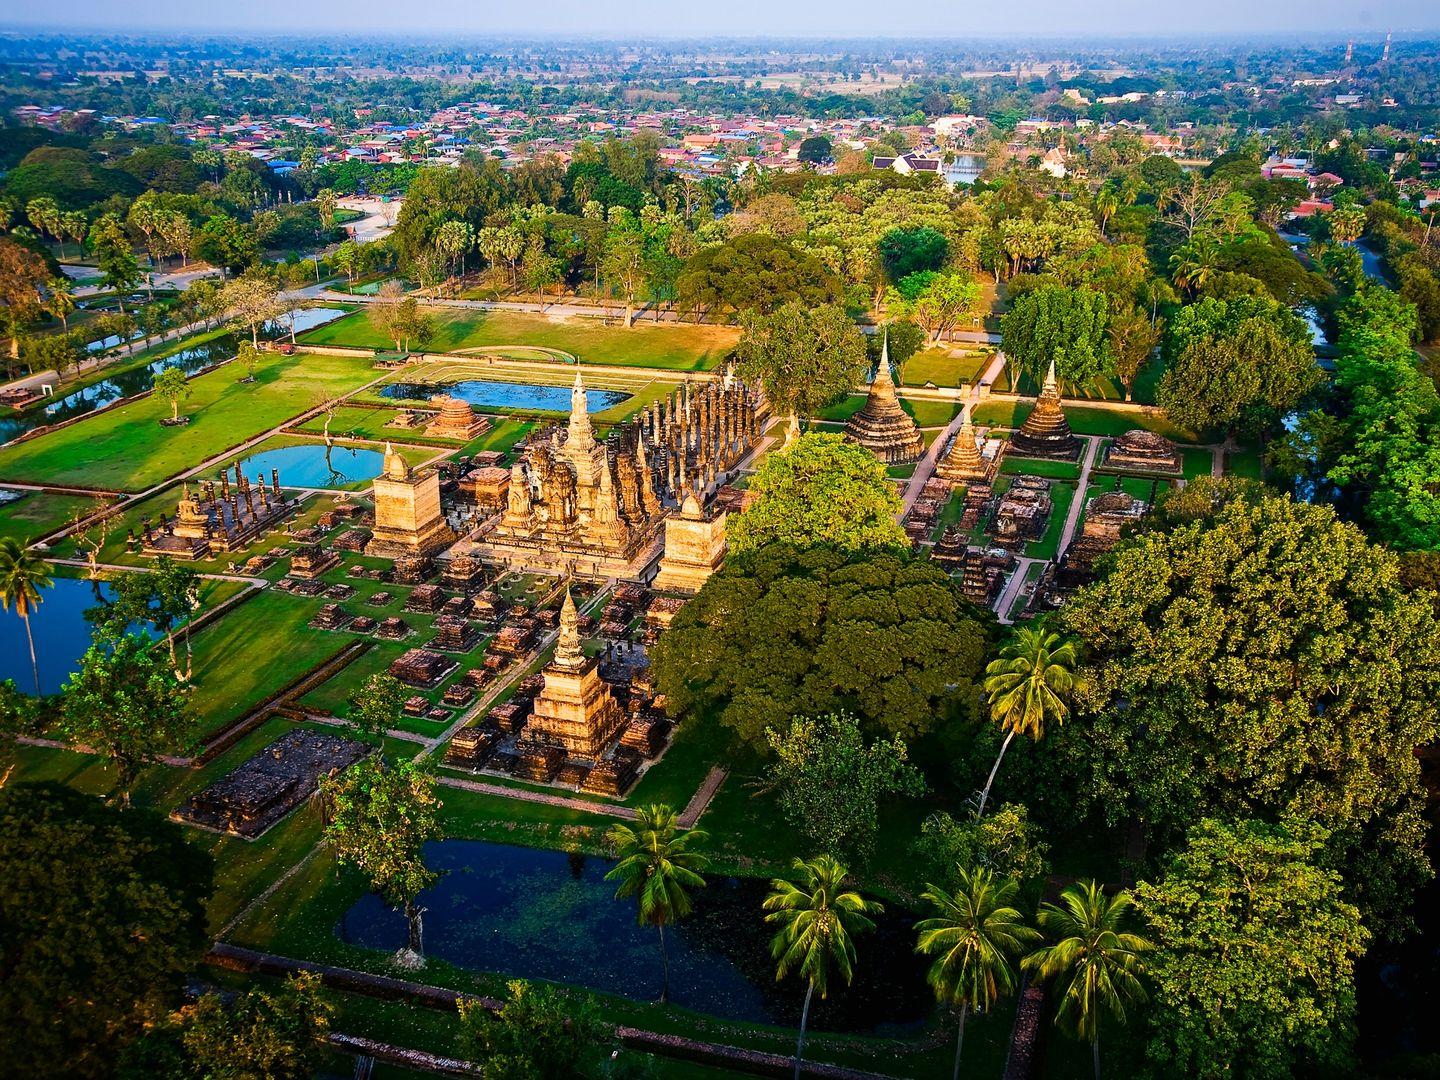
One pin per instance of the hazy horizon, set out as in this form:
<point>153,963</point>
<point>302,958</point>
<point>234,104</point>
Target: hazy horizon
<point>835,19</point>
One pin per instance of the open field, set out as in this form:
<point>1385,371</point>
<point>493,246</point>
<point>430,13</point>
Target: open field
<point>39,512</point>
<point>671,346</point>
<point>127,449</point>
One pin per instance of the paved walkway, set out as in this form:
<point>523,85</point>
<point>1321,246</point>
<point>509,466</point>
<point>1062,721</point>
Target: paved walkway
<point>584,806</point>
<point>1077,504</point>
<point>1013,586</point>
<point>925,467</point>
<point>700,801</point>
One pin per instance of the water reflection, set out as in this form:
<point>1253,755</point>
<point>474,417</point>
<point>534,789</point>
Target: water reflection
<point>551,915</point>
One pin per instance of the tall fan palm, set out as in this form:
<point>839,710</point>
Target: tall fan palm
<point>22,575</point>
<point>656,866</point>
<point>1027,686</point>
<point>817,919</point>
<point>972,936</point>
<point>1095,962</point>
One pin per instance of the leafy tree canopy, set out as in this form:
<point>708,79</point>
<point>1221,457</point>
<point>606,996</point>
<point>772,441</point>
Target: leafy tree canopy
<point>780,632</point>
<point>102,911</point>
<point>807,357</point>
<point>1254,957</point>
<point>831,783</point>
<point>1067,326</point>
<point>1235,363</point>
<point>821,491</point>
<point>1261,659</point>
<point>754,272</point>
<point>905,251</point>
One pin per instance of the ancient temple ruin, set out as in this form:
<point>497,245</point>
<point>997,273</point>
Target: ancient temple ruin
<point>967,461</point>
<point>1046,433</point>
<point>593,508</point>
<point>575,710</point>
<point>217,519</point>
<point>1144,452</point>
<point>408,517</point>
<point>694,548</point>
<point>455,419</point>
<point>883,427</point>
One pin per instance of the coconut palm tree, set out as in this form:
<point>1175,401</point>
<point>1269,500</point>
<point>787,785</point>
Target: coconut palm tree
<point>972,936</point>
<point>817,919</point>
<point>1027,686</point>
<point>656,866</point>
<point>1095,963</point>
<point>22,575</point>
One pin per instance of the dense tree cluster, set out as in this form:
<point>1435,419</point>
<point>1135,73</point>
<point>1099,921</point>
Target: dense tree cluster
<point>780,633</point>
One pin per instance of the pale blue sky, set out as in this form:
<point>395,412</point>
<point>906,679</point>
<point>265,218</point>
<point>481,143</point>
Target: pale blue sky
<point>745,18</point>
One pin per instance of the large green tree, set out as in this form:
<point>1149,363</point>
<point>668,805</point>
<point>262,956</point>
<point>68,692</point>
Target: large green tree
<point>1238,363</point>
<point>807,357</point>
<point>974,935</point>
<point>816,918</point>
<point>381,815</point>
<point>781,633</point>
<point>1093,960</point>
<point>102,912</point>
<point>657,865</point>
<point>830,782</point>
<point>126,703</point>
<point>820,491</point>
<point>1066,326</point>
<point>538,1033</point>
<point>1254,956</point>
<point>754,272</point>
<point>1260,657</point>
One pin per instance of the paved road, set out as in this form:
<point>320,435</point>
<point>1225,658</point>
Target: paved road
<point>1077,504</point>
<point>1013,585</point>
<point>925,468</point>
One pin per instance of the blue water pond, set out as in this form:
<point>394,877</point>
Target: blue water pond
<point>504,396</point>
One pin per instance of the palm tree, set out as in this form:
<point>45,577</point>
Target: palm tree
<point>817,919</point>
<point>1107,202</point>
<point>1027,686</point>
<point>972,936</point>
<point>1095,963</point>
<point>657,866</point>
<point>1194,263</point>
<point>22,575</point>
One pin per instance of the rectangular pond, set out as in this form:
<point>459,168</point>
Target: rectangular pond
<point>314,465</point>
<point>503,396</point>
<point>551,915</point>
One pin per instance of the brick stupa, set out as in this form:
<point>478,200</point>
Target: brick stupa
<point>408,517</point>
<point>575,709</point>
<point>882,426</point>
<point>1046,433</point>
<point>964,463</point>
<point>694,548</point>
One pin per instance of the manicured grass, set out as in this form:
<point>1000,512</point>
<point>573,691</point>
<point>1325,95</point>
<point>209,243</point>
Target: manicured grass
<point>252,651</point>
<point>502,437</point>
<point>1055,470</point>
<point>36,513</point>
<point>127,449</point>
<point>1194,462</point>
<point>925,413</point>
<point>939,367</point>
<point>1083,420</point>
<point>1061,495</point>
<point>672,346</point>
<point>360,422</point>
<point>1245,463</point>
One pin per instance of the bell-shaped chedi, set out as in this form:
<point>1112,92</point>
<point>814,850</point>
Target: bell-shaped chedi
<point>882,426</point>
<point>1046,433</point>
<point>964,462</point>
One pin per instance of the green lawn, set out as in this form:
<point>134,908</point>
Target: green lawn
<point>1083,420</point>
<point>36,513</point>
<point>254,650</point>
<point>939,367</point>
<point>1062,495</point>
<point>126,448</point>
<point>1055,470</point>
<point>672,346</point>
<point>925,413</point>
<point>1245,463</point>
